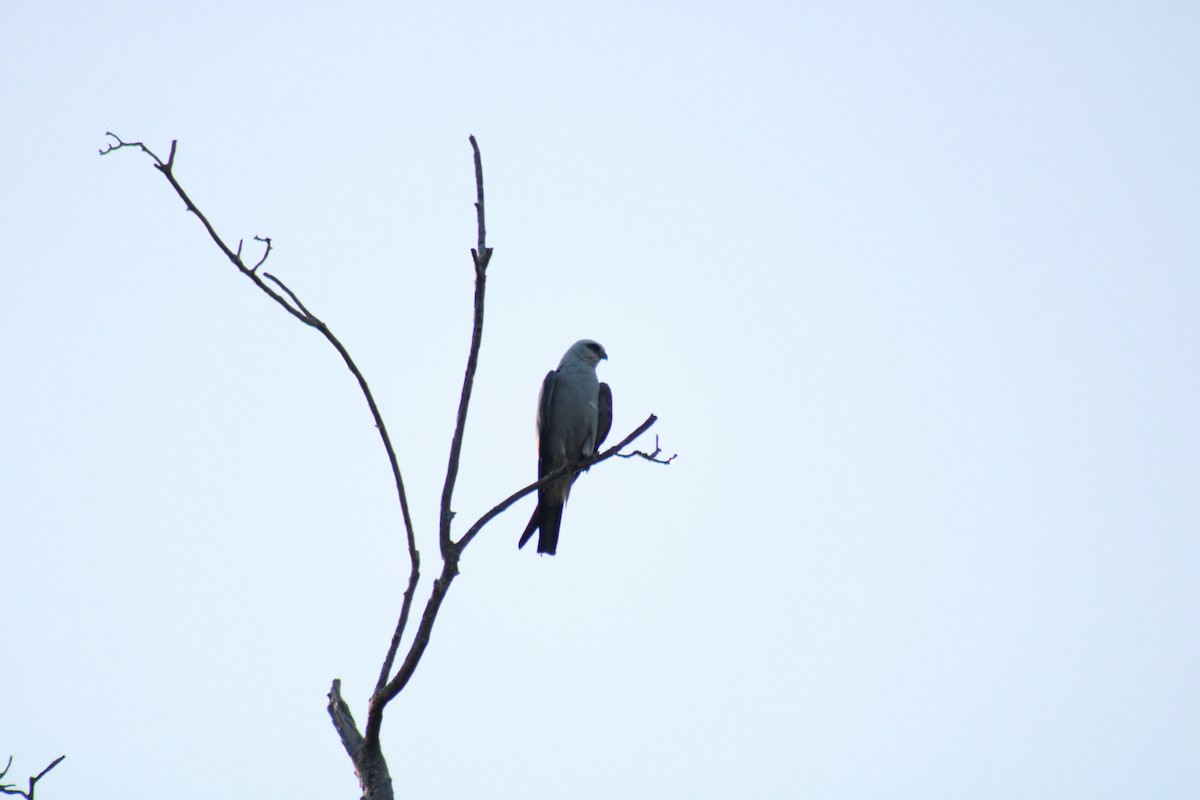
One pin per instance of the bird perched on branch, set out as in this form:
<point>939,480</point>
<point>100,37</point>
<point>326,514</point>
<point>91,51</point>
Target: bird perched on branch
<point>573,419</point>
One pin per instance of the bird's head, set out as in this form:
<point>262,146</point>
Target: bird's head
<point>587,350</point>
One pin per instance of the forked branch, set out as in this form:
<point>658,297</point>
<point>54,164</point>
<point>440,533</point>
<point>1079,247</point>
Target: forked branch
<point>27,793</point>
<point>653,456</point>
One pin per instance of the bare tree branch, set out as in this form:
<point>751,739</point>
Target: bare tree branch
<point>380,699</point>
<point>364,748</point>
<point>386,689</point>
<point>482,255</point>
<point>267,240</point>
<point>298,310</point>
<point>11,788</point>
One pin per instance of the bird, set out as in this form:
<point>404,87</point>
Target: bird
<point>574,417</point>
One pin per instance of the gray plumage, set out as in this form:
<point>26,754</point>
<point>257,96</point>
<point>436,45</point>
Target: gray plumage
<point>573,420</point>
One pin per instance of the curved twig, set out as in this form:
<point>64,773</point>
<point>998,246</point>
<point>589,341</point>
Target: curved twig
<point>387,688</point>
<point>654,456</point>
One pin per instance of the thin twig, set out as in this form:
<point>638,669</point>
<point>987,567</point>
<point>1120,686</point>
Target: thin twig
<point>651,456</point>
<point>379,700</point>
<point>369,764</point>
<point>235,257</point>
<point>283,287</point>
<point>267,252</point>
<point>10,788</point>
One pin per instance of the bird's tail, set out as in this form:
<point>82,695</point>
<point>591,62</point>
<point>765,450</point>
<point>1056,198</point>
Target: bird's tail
<point>547,518</point>
<point>550,518</point>
<point>531,527</point>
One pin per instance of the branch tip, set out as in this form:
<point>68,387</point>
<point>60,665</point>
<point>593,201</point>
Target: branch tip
<point>654,456</point>
<point>267,241</point>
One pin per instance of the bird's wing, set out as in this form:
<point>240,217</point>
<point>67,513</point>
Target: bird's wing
<point>604,419</point>
<point>546,464</point>
<point>544,429</point>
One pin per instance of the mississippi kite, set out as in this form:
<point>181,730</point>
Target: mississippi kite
<point>573,419</point>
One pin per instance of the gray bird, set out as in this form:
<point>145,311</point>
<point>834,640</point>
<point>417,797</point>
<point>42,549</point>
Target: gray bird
<point>573,420</point>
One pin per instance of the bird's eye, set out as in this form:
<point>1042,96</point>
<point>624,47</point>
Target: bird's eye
<point>595,348</point>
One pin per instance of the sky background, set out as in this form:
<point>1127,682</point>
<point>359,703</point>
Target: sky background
<point>912,287</point>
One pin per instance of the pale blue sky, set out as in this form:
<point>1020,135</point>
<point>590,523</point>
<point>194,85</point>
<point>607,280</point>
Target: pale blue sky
<point>913,288</point>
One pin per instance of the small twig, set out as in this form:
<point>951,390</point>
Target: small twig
<point>651,456</point>
<point>308,315</point>
<point>364,749</point>
<point>481,252</point>
<point>267,252</point>
<point>10,788</point>
<point>369,765</point>
<point>119,144</point>
<point>416,649</point>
